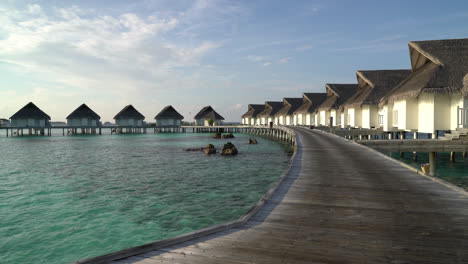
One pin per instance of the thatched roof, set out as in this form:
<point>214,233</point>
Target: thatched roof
<point>253,110</point>
<point>129,112</point>
<point>373,85</point>
<point>337,94</point>
<point>438,66</point>
<point>271,108</point>
<point>30,111</point>
<point>83,111</point>
<point>208,112</point>
<point>169,112</point>
<point>289,106</point>
<point>310,101</point>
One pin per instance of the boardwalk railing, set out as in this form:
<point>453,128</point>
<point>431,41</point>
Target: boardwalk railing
<point>462,117</point>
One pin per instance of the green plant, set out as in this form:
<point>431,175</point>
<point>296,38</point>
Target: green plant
<point>210,121</point>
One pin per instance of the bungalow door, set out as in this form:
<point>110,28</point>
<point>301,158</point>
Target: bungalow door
<point>84,121</point>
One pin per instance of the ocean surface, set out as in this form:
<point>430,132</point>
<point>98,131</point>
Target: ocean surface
<point>453,172</point>
<point>67,198</point>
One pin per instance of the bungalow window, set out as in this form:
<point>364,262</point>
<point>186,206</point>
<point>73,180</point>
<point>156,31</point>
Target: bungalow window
<point>381,120</point>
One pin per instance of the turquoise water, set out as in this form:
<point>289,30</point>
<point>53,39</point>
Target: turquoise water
<point>67,198</point>
<point>454,172</point>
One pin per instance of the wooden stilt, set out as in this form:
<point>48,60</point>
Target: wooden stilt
<point>452,156</point>
<point>432,163</point>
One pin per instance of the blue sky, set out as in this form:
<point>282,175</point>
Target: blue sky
<point>189,54</point>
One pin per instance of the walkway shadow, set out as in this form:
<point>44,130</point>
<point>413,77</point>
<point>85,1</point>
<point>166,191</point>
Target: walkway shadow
<point>256,219</point>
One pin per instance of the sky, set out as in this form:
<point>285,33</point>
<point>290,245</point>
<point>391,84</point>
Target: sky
<point>189,54</point>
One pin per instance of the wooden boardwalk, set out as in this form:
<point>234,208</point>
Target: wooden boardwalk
<point>340,203</point>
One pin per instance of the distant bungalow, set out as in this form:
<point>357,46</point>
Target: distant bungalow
<point>267,116</point>
<point>337,94</point>
<point>168,117</point>
<point>4,122</point>
<point>434,96</point>
<point>310,101</point>
<point>285,115</point>
<point>361,109</point>
<point>250,117</point>
<point>30,116</point>
<point>129,117</point>
<point>83,116</point>
<point>205,115</point>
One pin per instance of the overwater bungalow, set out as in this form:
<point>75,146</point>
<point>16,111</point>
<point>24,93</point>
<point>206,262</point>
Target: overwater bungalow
<point>169,117</point>
<point>361,109</point>
<point>83,116</point>
<point>286,114</point>
<point>30,116</point>
<point>435,95</point>
<point>250,117</point>
<point>129,117</point>
<point>4,122</point>
<point>303,116</point>
<point>327,112</point>
<point>206,115</point>
<point>267,116</point>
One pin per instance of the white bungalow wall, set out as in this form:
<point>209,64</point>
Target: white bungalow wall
<point>128,122</point>
<point>333,116</point>
<point>28,122</point>
<point>252,121</point>
<point>324,117</point>
<point>386,112</point>
<point>168,122</point>
<point>308,119</point>
<point>343,120</point>
<point>370,116</point>
<point>354,117</point>
<point>300,119</point>
<point>77,122</point>
<point>434,112</point>
<point>407,115</point>
<point>288,120</point>
<point>276,122</point>
<point>316,119</point>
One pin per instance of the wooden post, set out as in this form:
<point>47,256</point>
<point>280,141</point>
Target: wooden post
<point>432,163</point>
<point>464,155</point>
<point>402,136</point>
<point>7,132</point>
<point>452,156</point>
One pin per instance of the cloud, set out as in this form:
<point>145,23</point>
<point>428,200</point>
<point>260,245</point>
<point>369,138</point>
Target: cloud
<point>284,60</point>
<point>266,64</point>
<point>83,54</point>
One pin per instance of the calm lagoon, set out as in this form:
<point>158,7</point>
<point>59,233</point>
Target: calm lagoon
<point>67,198</point>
